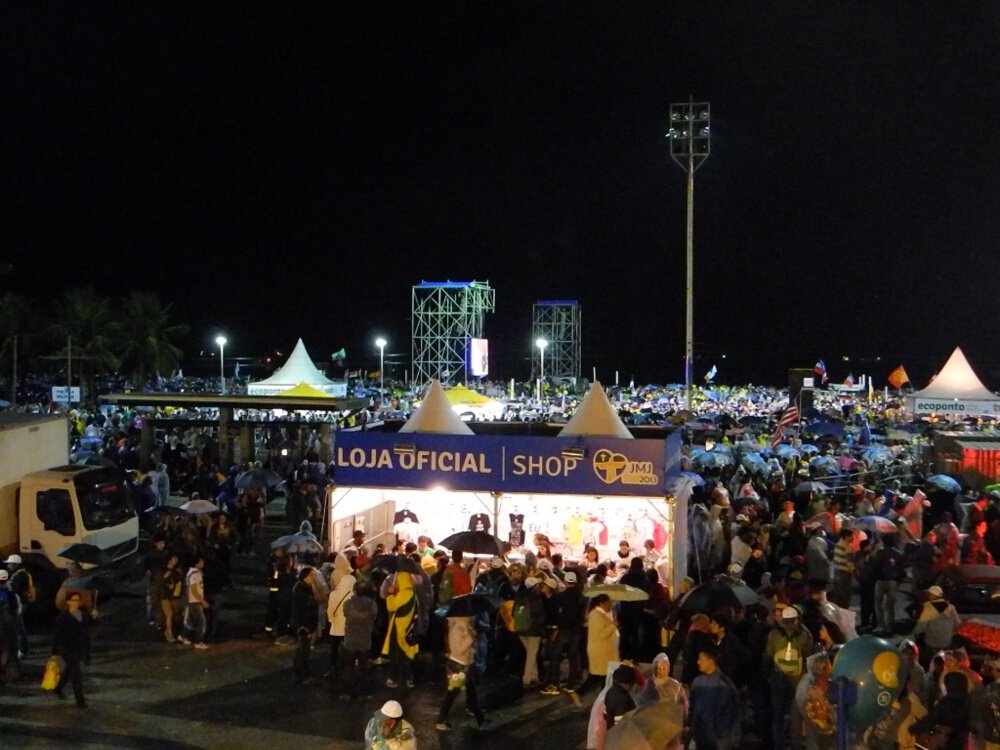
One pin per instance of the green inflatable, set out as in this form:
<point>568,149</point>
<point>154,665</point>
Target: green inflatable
<point>879,674</point>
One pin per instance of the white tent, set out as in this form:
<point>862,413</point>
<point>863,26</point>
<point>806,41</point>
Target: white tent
<point>956,391</point>
<point>298,369</point>
<point>435,415</point>
<point>596,417</point>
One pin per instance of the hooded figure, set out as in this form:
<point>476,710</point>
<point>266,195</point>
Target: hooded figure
<point>819,717</point>
<point>663,687</point>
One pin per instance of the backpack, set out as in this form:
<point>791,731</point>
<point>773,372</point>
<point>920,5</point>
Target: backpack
<point>445,593</point>
<point>890,566</point>
<point>788,660</point>
<point>522,617</point>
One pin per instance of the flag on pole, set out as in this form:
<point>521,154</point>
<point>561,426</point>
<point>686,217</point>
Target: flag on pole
<point>710,375</point>
<point>339,354</point>
<point>236,374</point>
<point>789,417</point>
<point>849,380</point>
<point>820,369</point>
<point>898,378</point>
<point>871,390</point>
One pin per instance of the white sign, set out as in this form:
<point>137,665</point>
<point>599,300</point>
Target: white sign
<point>59,394</point>
<point>955,406</point>
<point>479,357</point>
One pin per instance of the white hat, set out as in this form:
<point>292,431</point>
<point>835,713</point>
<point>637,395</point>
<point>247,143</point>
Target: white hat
<point>935,592</point>
<point>530,582</point>
<point>4,575</point>
<point>13,559</point>
<point>735,567</point>
<point>545,564</point>
<point>740,518</point>
<point>789,613</point>
<point>569,576</point>
<point>392,710</point>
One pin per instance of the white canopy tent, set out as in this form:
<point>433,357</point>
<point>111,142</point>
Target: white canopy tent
<point>956,391</point>
<point>298,369</point>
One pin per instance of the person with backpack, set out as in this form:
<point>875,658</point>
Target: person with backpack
<point>22,584</point>
<point>887,566</point>
<point>455,581</point>
<point>529,624</point>
<point>788,645</point>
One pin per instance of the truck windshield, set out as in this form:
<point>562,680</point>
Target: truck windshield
<point>103,503</point>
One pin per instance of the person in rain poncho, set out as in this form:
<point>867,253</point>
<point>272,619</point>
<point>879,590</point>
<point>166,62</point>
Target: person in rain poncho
<point>597,728</point>
<point>662,687</point>
<point>819,718</point>
<point>388,730</point>
<point>401,602</point>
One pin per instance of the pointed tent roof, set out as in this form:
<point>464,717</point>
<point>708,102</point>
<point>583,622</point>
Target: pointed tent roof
<point>957,380</point>
<point>595,417</point>
<point>298,368</point>
<point>435,415</point>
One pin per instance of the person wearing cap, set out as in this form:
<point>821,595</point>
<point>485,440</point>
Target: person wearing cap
<point>22,584</point>
<point>568,606</point>
<point>388,730</point>
<point>10,607</point>
<point>618,700</point>
<point>788,645</point>
<point>938,621</point>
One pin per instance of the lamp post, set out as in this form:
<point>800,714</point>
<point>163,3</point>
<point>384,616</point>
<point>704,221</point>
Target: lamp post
<point>221,341</point>
<point>541,344</point>
<point>690,145</point>
<point>380,343</point>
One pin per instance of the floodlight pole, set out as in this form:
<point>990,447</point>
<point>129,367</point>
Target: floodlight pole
<point>221,341</point>
<point>380,343</point>
<point>690,144</point>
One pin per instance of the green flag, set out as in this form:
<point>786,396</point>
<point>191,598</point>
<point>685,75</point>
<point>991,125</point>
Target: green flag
<point>339,354</point>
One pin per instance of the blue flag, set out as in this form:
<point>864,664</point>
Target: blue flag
<point>710,375</point>
<point>865,437</point>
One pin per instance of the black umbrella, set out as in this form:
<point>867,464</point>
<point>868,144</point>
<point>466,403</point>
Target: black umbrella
<point>258,479</point>
<point>470,605</point>
<point>711,598</point>
<point>474,542</point>
<point>167,510</point>
<point>88,554</point>
<point>396,564</point>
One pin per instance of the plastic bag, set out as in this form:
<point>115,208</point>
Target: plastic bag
<point>50,678</point>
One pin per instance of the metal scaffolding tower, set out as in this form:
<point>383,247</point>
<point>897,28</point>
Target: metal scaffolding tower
<point>559,322</point>
<point>444,316</point>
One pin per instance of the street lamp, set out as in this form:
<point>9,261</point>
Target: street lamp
<point>380,343</point>
<point>221,341</point>
<point>541,344</point>
<point>690,145</point>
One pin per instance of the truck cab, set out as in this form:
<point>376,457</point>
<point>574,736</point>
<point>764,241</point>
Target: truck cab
<point>68,504</point>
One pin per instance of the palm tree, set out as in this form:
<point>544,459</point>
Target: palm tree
<point>18,327</point>
<point>147,336</point>
<point>87,323</point>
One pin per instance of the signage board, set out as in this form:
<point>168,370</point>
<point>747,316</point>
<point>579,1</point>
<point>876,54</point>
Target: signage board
<point>479,357</point>
<point>59,394</point>
<point>957,407</point>
<point>488,463</point>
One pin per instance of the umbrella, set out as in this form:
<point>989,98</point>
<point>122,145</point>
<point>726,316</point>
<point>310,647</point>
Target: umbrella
<point>474,542</point>
<point>297,543</point>
<point>258,479</point>
<point>711,459</point>
<point>944,482</point>
<point>808,448</point>
<point>396,564</point>
<point>168,510</point>
<point>804,488</point>
<point>710,598</point>
<point>829,463</point>
<point>650,727</point>
<point>876,455</point>
<point>85,582</point>
<point>87,554</point>
<point>470,605</point>
<point>618,592</point>
<point>786,451</point>
<point>874,523</point>
<point>198,506</point>
<point>695,477</point>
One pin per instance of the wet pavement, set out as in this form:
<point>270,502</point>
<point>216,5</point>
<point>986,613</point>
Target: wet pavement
<point>146,693</point>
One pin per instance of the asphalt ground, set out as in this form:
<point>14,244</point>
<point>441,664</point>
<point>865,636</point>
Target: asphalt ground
<point>148,694</point>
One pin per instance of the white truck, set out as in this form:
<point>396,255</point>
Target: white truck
<point>47,504</point>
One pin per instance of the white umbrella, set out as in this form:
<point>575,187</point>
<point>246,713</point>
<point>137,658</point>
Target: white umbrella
<point>199,506</point>
<point>618,592</point>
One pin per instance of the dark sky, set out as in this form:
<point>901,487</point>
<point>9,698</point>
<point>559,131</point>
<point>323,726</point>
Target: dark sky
<point>281,170</point>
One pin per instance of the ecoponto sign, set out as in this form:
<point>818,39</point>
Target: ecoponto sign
<point>956,407</point>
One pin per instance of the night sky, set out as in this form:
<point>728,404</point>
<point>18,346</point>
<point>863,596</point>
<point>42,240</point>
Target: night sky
<point>281,170</point>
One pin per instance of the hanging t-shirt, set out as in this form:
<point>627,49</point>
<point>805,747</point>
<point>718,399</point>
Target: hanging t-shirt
<point>574,534</point>
<point>405,515</point>
<point>408,530</point>
<point>479,522</point>
<point>516,536</point>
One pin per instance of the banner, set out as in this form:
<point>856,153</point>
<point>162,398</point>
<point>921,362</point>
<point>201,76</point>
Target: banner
<point>948,407</point>
<point>487,463</point>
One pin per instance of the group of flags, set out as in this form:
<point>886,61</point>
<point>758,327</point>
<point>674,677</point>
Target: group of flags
<point>897,378</point>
